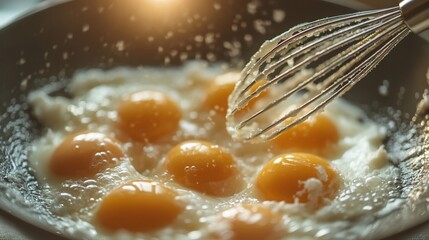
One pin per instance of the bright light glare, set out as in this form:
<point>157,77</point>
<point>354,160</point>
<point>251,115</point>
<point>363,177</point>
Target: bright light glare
<point>163,8</point>
<point>162,1</point>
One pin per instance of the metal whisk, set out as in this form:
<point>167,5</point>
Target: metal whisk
<point>297,73</point>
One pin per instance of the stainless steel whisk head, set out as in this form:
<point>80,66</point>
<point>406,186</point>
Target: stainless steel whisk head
<point>297,73</point>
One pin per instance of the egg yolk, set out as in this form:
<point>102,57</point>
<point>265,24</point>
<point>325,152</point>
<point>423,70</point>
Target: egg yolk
<point>83,155</point>
<point>285,178</point>
<point>148,115</point>
<point>251,222</point>
<point>222,86</point>
<point>203,166</point>
<point>138,206</point>
<point>313,135</point>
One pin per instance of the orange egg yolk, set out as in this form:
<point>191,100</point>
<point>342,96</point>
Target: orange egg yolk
<point>222,86</point>
<point>284,178</point>
<point>313,135</point>
<point>202,166</point>
<point>83,155</point>
<point>252,222</point>
<point>138,206</point>
<point>148,115</point>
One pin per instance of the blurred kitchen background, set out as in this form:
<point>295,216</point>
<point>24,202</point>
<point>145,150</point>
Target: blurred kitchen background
<point>10,9</point>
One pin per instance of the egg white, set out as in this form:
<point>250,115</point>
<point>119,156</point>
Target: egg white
<point>368,178</point>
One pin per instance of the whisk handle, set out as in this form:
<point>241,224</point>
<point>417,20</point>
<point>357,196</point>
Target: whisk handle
<point>415,14</point>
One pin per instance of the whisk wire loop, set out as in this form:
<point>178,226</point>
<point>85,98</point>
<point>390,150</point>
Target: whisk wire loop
<point>353,78</point>
<point>314,57</point>
<point>313,28</point>
<point>307,67</point>
<point>337,61</point>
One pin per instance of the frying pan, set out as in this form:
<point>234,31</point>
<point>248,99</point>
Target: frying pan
<point>50,44</point>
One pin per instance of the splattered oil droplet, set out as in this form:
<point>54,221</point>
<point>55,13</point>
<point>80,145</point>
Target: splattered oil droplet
<point>85,28</point>
<point>120,46</point>
<point>278,15</point>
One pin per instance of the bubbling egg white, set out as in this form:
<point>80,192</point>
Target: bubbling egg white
<point>144,154</point>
